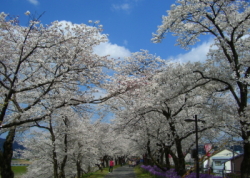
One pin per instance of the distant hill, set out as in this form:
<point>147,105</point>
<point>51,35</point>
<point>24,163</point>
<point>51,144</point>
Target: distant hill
<point>15,145</point>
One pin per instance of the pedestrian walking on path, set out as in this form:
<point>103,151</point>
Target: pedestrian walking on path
<point>122,172</point>
<point>111,165</point>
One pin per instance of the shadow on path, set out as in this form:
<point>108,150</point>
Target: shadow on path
<point>122,172</point>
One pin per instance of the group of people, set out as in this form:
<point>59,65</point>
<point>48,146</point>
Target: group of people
<point>111,165</point>
<point>131,163</point>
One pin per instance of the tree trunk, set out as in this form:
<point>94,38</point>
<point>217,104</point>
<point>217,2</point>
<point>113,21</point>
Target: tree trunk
<point>54,155</point>
<point>245,165</point>
<point>106,161</point>
<point>180,169</point>
<point>116,161</point>
<point>152,158</point>
<point>145,159</point>
<point>161,156</point>
<point>62,172</point>
<point>78,168</point>
<point>6,156</point>
<point>245,133</point>
<point>166,152</point>
<point>180,161</point>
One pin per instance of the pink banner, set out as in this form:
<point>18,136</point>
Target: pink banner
<point>208,147</point>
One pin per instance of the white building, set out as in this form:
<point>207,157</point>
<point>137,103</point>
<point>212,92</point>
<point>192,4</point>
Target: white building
<point>220,161</point>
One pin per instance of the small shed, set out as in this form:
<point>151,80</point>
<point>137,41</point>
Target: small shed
<point>236,163</point>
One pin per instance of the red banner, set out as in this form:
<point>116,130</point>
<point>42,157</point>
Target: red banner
<point>208,147</point>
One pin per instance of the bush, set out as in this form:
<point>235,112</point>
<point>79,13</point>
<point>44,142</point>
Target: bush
<point>232,175</point>
<point>154,170</point>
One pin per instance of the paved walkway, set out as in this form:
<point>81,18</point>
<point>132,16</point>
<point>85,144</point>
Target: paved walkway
<point>122,172</point>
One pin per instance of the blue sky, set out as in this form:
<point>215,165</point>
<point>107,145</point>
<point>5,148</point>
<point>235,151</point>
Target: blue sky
<point>129,23</point>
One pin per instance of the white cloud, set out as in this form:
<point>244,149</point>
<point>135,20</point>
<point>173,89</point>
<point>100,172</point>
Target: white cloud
<point>124,7</point>
<point>35,2</point>
<point>113,50</point>
<point>196,54</point>
<point>103,49</point>
<point>125,42</point>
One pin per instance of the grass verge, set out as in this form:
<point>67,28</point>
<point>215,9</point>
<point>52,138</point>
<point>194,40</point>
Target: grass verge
<point>18,171</point>
<point>142,173</point>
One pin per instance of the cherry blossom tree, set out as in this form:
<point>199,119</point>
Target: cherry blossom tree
<point>171,96</point>
<point>228,61</point>
<point>41,63</point>
<point>66,146</point>
<point>46,67</point>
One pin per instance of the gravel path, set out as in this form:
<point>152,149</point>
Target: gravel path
<point>122,172</point>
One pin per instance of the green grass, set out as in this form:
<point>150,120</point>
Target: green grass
<point>18,170</point>
<point>141,173</point>
<point>232,175</point>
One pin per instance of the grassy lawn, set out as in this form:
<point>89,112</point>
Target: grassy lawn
<point>142,173</point>
<point>19,170</point>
